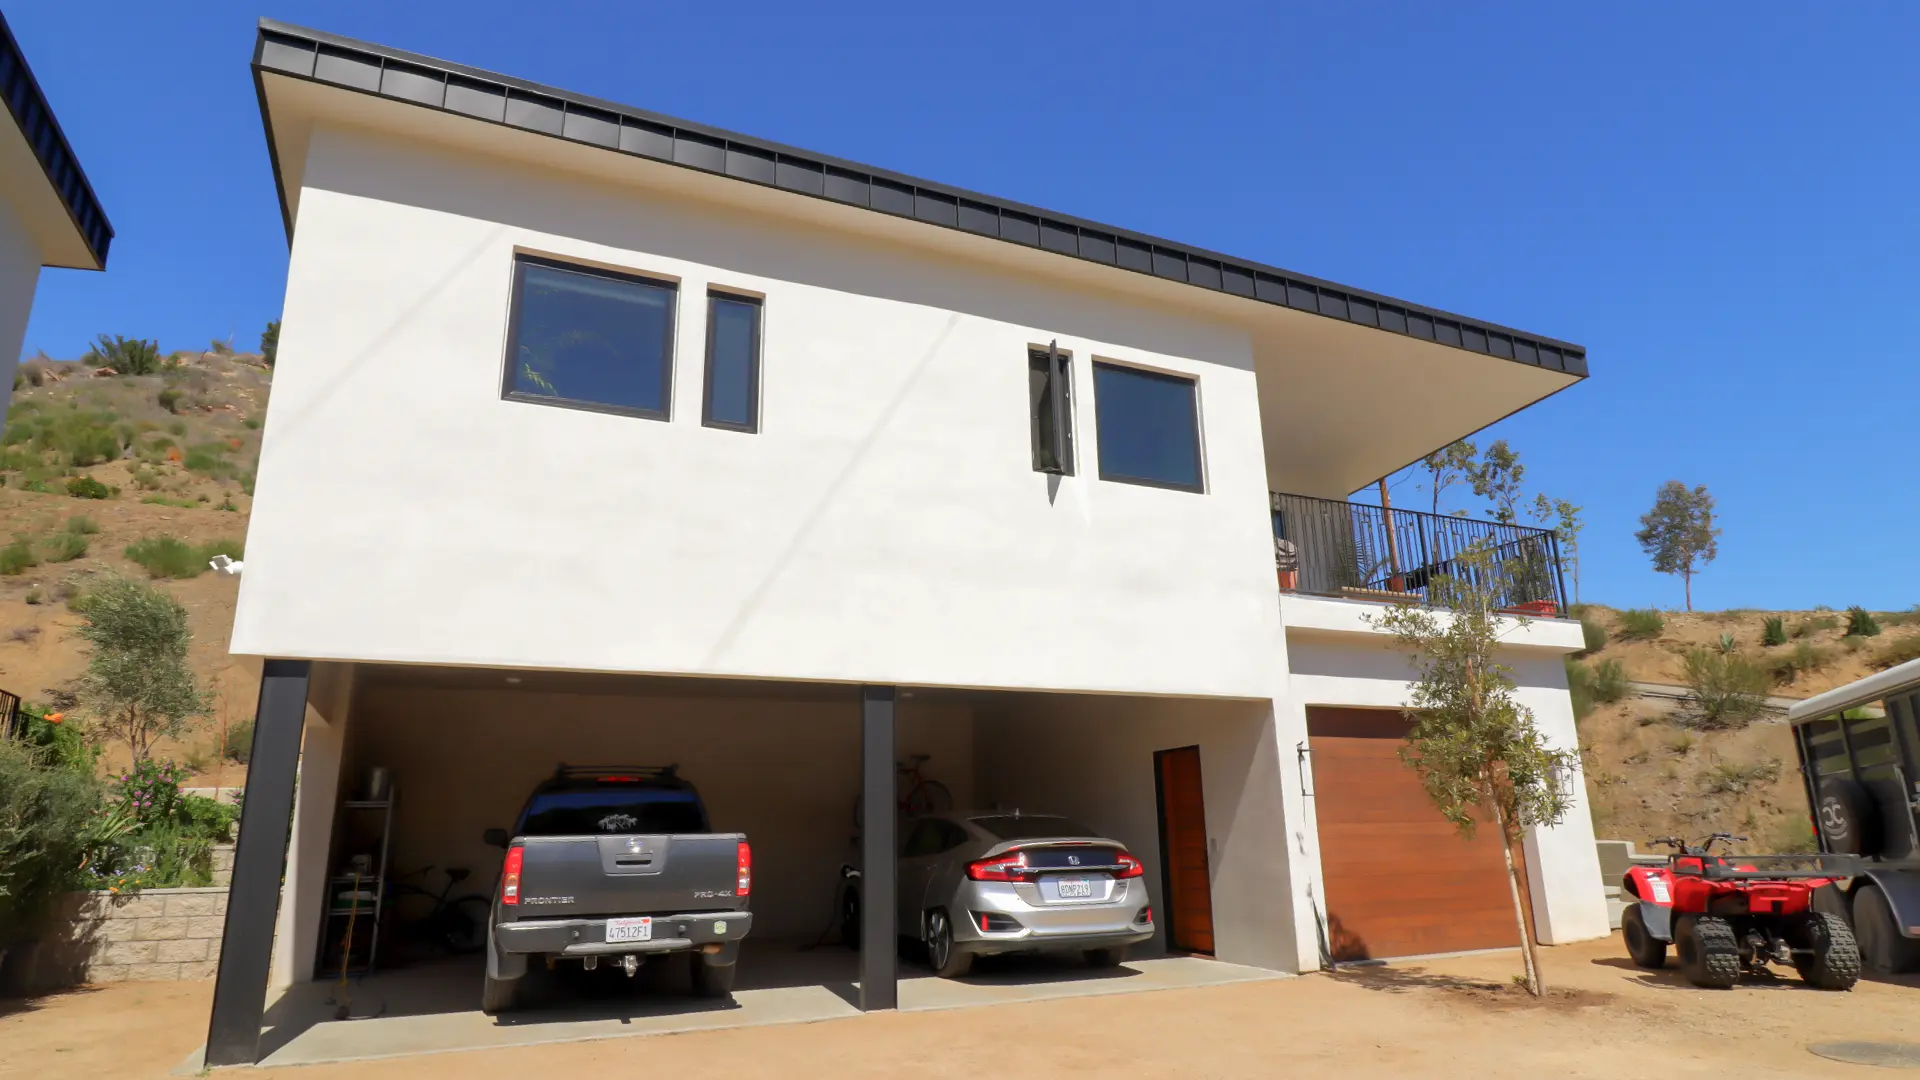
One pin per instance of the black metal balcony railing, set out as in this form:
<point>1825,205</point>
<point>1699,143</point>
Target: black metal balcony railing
<point>1347,548</point>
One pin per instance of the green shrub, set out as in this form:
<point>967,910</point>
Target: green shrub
<point>239,742</point>
<point>164,556</point>
<point>1803,658</point>
<point>1897,652</point>
<point>38,485</point>
<point>45,813</point>
<point>1727,643</point>
<point>82,525</point>
<point>1815,624</point>
<point>1595,636</point>
<point>168,500</point>
<point>1732,778</point>
<point>17,557</point>
<point>126,356</point>
<point>1641,624</point>
<point>1775,632</point>
<point>1727,689</point>
<point>61,744</point>
<point>1860,623</point>
<point>86,487</point>
<point>65,546</point>
<point>1579,687</point>
<point>169,399</point>
<point>1610,681</point>
<point>251,424</point>
<point>270,342</point>
<point>232,549</point>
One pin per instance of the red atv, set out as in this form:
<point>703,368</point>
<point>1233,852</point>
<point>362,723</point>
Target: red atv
<point>1731,914</point>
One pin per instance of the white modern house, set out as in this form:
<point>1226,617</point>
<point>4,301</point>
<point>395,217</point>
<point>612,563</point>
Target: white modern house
<point>49,215</point>
<point>600,436</point>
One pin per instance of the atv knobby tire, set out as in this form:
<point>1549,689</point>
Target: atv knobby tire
<point>1647,951</point>
<point>1835,960</point>
<point>1709,953</point>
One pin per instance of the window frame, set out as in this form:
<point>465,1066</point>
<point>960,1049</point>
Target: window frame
<point>759,305</point>
<point>1199,486</point>
<point>1063,413</point>
<point>508,392</point>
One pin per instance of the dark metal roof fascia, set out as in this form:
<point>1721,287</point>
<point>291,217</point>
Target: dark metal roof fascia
<point>42,131</point>
<point>301,53</point>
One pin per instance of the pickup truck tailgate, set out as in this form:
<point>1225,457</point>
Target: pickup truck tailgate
<point>628,875</point>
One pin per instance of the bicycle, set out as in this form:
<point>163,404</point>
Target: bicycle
<point>917,794</point>
<point>458,926</point>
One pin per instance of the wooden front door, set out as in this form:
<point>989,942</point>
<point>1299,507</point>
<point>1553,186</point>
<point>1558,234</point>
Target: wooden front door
<point>1400,880</point>
<point>1187,891</point>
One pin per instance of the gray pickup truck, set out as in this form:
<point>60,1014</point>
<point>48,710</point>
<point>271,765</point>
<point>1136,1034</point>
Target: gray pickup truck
<point>617,864</point>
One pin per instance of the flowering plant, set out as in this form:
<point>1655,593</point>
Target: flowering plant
<point>150,790</point>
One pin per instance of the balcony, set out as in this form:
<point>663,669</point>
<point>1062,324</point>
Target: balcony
<point>1361,551</point>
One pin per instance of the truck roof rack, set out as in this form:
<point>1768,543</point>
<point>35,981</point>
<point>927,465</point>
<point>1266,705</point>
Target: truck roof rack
<point>564,771</point>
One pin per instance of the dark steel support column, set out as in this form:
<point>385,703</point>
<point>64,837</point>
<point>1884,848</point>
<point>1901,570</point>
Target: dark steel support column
<point>879,852</point>
<point>260,856</point>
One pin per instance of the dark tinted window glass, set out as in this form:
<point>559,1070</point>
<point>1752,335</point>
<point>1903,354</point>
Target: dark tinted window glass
<point>613,810</point>
<point>1829,754</point>
<point>733,362</point>
<point>1149,427</point>
<point>1050,377</point>
<point>1031,827</point>
<point>589,338</point>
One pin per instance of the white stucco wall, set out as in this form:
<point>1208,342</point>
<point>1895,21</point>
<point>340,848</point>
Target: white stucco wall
<point>885,525</point>
<point>1362,669</point>
<point>19,277</point>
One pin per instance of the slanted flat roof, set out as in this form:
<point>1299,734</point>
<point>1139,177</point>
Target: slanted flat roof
<point>68,182</point>
<point>366,68</point>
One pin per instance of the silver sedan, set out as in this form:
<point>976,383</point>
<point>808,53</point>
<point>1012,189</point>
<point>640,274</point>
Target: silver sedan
<point>976,884</point>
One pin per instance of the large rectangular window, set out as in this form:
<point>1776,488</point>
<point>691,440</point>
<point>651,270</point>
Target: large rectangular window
<point>1149,427</point>
<point>1050,409</point>
<point>590,339</point>
<point>733,362</point>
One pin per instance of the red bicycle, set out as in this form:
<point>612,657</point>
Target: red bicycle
<point>917,794</point>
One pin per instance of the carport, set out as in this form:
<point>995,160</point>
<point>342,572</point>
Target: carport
<point>782,762</point>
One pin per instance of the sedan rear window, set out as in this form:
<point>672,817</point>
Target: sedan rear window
<point>613,810</point>
<point>1031,826</point>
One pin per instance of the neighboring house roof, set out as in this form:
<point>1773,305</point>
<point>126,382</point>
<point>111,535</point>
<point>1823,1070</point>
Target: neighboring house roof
<point>360,66</point>
<point>49,145</point>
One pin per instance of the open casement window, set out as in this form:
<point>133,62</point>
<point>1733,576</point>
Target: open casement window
<point>1050,409</point>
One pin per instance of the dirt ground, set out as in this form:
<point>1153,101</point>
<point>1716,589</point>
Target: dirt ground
<point>1453,1017</point>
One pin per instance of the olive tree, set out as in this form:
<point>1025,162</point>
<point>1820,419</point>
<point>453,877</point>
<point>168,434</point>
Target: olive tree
<point>138,684</point>
<point>1478,753</point>
<point>1678,533</point>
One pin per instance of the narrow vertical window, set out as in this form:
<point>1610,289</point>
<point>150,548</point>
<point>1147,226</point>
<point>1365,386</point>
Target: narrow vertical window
<point>1050,408</point>
<point>733,362</point>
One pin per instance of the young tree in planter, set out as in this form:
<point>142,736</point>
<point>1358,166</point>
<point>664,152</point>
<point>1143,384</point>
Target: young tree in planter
<point>1496,478</point>
<point>137,683</point>
<point>1478,753</point>
<point>1564,519</point>
<point>1446,465</point>
<point>1678,532</point>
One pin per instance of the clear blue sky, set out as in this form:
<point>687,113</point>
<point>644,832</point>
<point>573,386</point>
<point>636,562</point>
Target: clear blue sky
<point>1718,200</point>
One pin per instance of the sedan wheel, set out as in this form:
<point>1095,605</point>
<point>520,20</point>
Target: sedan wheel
<point>948,962</point>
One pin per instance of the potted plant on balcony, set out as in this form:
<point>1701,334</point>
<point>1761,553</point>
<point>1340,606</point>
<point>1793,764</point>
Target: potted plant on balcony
<point>1286,559</point>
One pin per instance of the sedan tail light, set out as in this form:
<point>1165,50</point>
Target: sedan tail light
<point>1008,867</point>
<point>510,876</point>
<point>746,870</point>
<point>1129,866</point>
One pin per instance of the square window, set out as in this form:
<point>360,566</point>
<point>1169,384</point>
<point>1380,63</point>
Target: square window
<point>733,363</point>
<point>1149,427</point>
<point>590,339</point>
<point>1050,409</point>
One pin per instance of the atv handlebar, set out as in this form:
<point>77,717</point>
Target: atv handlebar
<point>1680,846</point>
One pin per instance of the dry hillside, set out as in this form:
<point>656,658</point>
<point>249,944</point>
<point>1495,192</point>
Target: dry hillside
<point>1657,767</point>
<point>177,451</point>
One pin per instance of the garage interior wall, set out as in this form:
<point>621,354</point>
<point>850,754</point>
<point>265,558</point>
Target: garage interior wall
<point>1563,865</point>
<point>1091,758</point>
<point>785,772</point>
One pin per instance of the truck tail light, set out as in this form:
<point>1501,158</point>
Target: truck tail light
<point>1008,867</point>
<point>1129,866</point>
<point>510,876</point>
<point>746,870</point>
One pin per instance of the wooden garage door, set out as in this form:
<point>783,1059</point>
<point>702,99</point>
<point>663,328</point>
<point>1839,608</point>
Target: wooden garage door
<point>1400,881</point>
